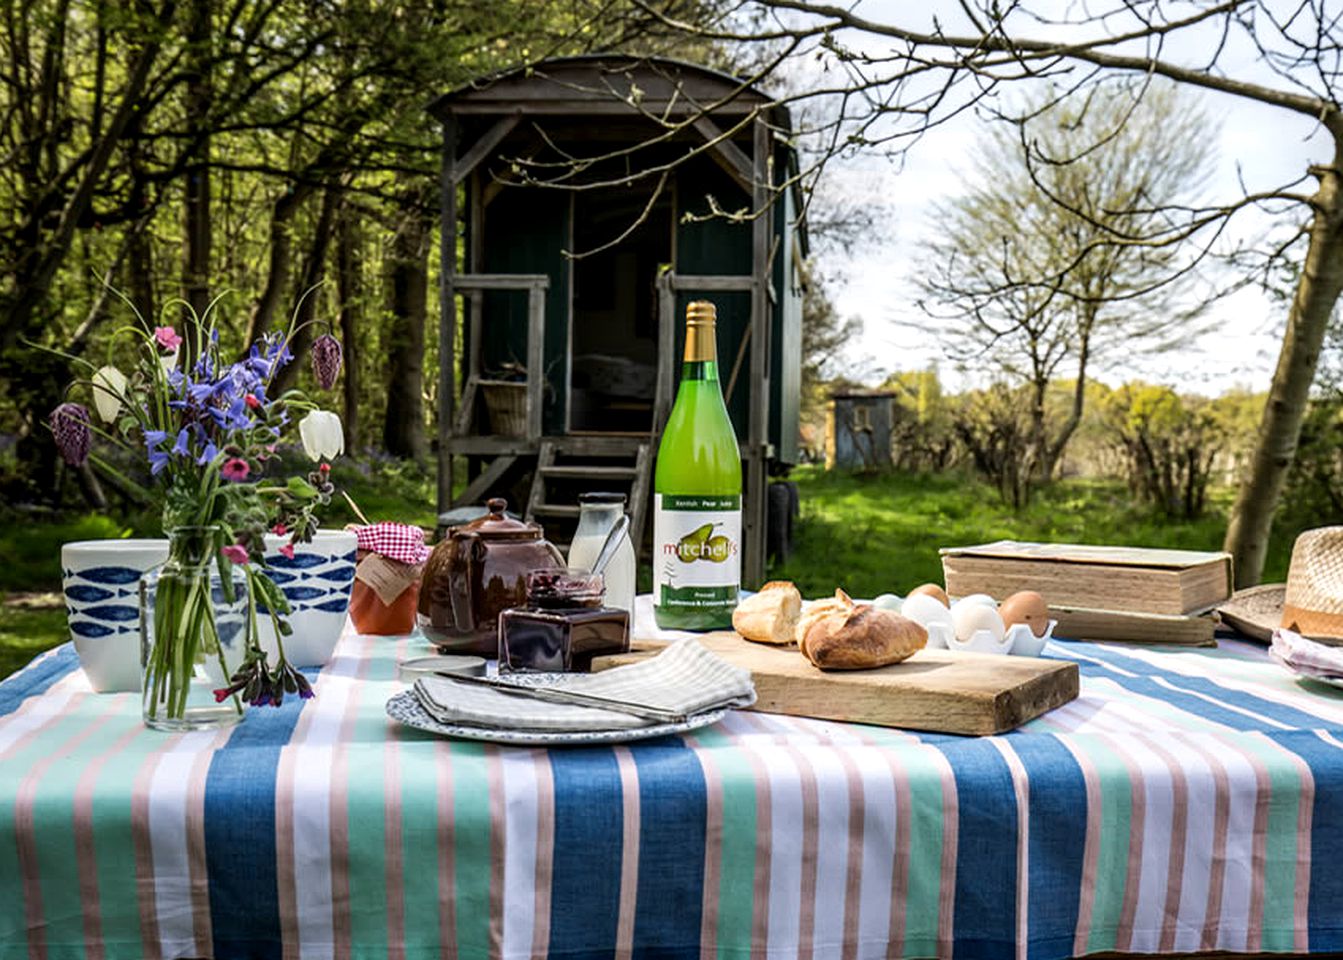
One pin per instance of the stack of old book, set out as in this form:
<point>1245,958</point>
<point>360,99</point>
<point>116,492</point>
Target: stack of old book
<point>1102,593</point>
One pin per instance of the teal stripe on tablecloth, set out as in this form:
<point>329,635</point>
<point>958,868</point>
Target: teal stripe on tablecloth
<point>736,866</point>
<point>472,834</point>
<point>418,757</point>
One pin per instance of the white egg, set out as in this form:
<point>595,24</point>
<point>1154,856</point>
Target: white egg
<point>925,610</point>
<point>976,599</point>
<point>887,601</point>
<point>969,617</point>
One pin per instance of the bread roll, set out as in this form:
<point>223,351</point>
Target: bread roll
<point>863,638</point>
<point>840,603</point>
<point>769,616</point>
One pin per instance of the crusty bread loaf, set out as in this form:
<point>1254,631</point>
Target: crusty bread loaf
<point>840,603</point>
<point>769,616</point>
<point>862,638</point>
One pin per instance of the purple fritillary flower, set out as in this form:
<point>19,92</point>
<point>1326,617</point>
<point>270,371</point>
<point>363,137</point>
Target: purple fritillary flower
<point>326,357</point>
<point>70,428</point>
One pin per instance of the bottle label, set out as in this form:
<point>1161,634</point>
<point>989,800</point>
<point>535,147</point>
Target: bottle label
<point>697,551</point>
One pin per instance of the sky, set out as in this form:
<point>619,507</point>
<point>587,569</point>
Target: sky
<point>1263,146</point>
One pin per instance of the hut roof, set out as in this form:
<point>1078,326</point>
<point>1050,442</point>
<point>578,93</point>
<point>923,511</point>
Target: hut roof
<point>864,394</point>
<point>608,83</point>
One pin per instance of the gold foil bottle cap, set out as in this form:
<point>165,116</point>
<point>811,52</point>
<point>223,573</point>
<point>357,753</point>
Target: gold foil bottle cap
<point>700,317</point>
<point>700,311</point>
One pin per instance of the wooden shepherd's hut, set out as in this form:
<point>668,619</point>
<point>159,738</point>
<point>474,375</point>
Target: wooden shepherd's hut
<point>569,365</point>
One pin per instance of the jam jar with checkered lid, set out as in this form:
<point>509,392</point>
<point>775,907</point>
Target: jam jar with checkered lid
<point>390,558</point>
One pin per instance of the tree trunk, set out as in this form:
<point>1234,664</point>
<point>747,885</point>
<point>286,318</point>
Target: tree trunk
<point>196,207</point>
<point>1054,451</point>
<point>38,268</point>
<point>313,271</point>
<point>407,283</point>
<point>350,290</point>
<point>1316,293</point>
<point>280,245</point>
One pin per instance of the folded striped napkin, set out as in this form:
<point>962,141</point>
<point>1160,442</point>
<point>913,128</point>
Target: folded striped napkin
<point>1306,657</point>
<point>685,678</point>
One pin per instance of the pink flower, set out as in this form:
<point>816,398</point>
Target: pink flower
<point>252,402</point>
<point>279,529</point>
<point>235,470</point>
<point>287,551</point>
<point>235,552</point>
<point>167,338</point>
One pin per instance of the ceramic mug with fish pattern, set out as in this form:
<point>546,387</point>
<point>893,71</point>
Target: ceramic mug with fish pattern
<point>101,579</point>
<point>317,581</point>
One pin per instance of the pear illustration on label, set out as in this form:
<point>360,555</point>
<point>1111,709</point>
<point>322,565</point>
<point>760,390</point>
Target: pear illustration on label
<point>694,544</point>
<point>719,548</point>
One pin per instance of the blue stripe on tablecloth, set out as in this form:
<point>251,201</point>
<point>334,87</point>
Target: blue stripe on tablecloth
<point>585,872</point>
<point>41,672</point>
<point>1058,821</point>
<point>1182,689</point>
<point>672,801</point>
<point>240,850</point>
<point>986,850</point>
<point>1326,836</point>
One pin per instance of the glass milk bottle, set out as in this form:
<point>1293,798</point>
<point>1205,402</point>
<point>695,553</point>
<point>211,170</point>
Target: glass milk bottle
<point>598,513</point>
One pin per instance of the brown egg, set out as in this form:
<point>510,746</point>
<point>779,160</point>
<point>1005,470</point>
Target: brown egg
<point>934,591</point>
<point>1026,607</point>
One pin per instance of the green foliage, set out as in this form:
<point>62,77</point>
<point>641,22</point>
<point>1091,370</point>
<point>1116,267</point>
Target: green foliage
<point>881,533</point>
<point>1170,444</point>
<point>30,550</point>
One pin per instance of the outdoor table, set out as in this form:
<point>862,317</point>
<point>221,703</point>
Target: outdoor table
<point>1189,800</point>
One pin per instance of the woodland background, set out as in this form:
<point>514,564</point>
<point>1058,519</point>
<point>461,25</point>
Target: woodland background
<point>242,152</point>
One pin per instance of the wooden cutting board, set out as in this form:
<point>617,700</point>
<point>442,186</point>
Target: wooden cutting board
<point>942,691</point>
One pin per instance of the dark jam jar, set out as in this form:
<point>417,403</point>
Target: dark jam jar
<point>563,626</point>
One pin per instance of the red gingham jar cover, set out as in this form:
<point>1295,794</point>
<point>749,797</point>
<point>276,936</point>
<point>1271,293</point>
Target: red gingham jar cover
<point>395,541</point>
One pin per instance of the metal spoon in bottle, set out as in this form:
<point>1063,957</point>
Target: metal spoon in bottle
<point>612,544</point>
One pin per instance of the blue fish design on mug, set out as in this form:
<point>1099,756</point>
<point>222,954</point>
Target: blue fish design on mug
<point>91,629</point>
<point>120,576</point>
<point>303,593</point>
<point>299,561</point>
<point>113,613</point>
<point>333,606</point>
<point>86,594</point>
<point>341,575</point>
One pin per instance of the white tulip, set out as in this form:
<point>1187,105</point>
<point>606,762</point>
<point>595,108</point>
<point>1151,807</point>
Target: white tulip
<point>109,387</point>
<point>168,361</point>
<point>323,434</point>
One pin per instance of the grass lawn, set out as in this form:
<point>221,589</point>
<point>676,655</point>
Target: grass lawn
<point>867,534</point>
<point>881,533</point>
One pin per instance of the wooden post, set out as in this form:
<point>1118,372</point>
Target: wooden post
<point>665,390</point>
<point>753,509</point>
<point>447,309</point>
<point>536,343</point>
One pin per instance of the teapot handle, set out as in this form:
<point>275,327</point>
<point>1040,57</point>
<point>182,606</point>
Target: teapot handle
<point>459,586</point>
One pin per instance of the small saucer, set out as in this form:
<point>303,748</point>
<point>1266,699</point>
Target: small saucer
<point>408,671</point>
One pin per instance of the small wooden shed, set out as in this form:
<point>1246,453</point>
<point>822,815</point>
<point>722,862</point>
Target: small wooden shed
<point>858,430</point>
<point>569,364</point>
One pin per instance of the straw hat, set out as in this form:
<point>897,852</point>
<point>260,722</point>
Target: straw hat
<point>1310,602</point>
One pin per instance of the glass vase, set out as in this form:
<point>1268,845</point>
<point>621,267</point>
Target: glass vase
<point>192,635</point>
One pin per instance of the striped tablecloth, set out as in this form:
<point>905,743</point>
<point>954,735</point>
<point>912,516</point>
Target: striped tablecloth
<point>1189,800</point>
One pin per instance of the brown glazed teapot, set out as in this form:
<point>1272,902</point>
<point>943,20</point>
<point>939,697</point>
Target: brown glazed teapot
<point>477,571</point>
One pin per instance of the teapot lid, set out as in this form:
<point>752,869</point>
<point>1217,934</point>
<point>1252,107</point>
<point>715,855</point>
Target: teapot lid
<point>498,525</point>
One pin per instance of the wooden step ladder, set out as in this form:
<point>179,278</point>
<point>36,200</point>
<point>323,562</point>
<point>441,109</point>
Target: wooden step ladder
<point>597,473</point>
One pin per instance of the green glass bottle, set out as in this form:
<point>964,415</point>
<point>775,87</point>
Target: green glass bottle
<point>697,494</point>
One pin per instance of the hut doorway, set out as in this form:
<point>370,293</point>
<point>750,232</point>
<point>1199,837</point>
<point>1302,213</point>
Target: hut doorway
<point>613,345</point>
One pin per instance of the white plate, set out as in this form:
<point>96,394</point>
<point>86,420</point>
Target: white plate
<point>405,708</point>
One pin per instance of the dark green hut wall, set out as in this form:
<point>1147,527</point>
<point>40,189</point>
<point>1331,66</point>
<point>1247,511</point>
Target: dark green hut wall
<point>526,231</point>
<point>718,247</point>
